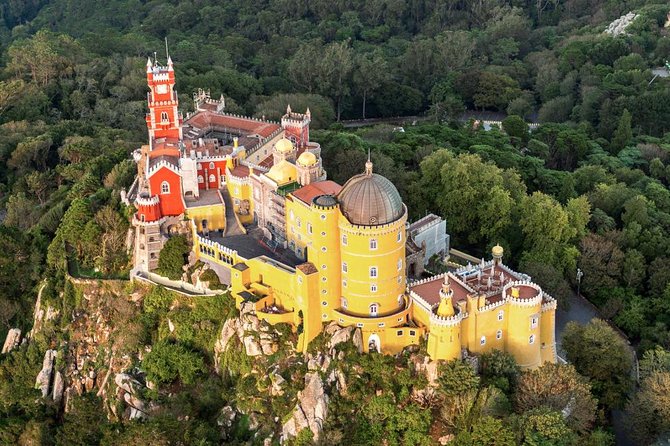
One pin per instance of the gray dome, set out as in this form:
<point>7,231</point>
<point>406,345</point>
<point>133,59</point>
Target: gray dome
<point>370,199</point>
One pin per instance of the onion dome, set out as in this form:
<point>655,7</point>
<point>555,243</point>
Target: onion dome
<point>497,251</point>
<point>284,146</point>
<point>306,159</point>
<point>369,199</point>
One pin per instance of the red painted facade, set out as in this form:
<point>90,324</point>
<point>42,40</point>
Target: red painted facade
<point>163,119</point>
<point>299,135</point>
<point>166,183</point>
<point>211,173</point>
<point>148,212</point>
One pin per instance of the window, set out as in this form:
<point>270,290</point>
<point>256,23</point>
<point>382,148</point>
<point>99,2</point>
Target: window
<point>373,288</point>
<point>344,267</point>
<point>323,266</point>
<point>344,283</point>
<point>323,292</point>
<point>499,334</point>
<point>324,303</point>
<point>482,341</point>
<point>344,239</point>
<point>164,117</point>
<point>373,310</point>
<point>309,228</point>
<point>399,332</point>
<point>298,222</point>
<point>199,165</point>
<point>200,179</point>
<point>501,314</point>
<point>412,333</point>
<point>324,249</point>
<point>324,315</point>
<point>323,216</point>
<point>324,279</point>
<point>399,279</point>
<point>323,233</point>
<point>531,339</point>
<point>399,264</point>
<point>533,322</point>
<point>373,272</point>
<point>212,178</point>
<point>211,165</point>
<point>165,187</point>
<point>343,302</point>
<point>373,243</point>
<point>399,238</point>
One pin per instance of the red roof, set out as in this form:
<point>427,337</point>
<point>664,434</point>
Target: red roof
<point>313,190</point>
<point>430,291</point>
<point>245,126</point>
<point>240,171</point>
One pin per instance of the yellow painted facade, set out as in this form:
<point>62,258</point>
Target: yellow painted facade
<point>213,214</point>
<point>240,192</point>
<point>355,275</point>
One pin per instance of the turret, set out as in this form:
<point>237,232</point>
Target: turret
<point>446,307</point>
<point>497,254</point>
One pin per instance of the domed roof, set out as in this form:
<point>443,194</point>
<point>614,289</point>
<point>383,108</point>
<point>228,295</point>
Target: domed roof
<point>283,172</point>
<point>307,159</point>
<point>497,251</point>
<point>370,199</point>
<point>284,146</point>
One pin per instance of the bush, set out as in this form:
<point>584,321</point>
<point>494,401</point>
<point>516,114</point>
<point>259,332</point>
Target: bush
<point>173,257</point>
<point>167,361</point>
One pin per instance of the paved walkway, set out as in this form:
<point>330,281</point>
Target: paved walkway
<point>178,286</point>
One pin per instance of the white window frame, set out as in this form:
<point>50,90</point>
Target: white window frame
<point>201,179</point>
<point>531,339</point>
<point>482,340</point>
<point>165,187</point>
<point>374,309</point>
<point>343,302</point>
<point>399,264</point>
<point>165,117</point>
<point>534,321</point>
<point>374,272</point>
<point>373,244</point>
<point>499,334</point>
<point>345,267</point>
<point>344,239</point>
<point>399,238</point>
<point>212,178</point>
<point>373,287</point>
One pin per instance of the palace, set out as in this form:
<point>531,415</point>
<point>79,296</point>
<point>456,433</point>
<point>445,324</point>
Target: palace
<point>306,251</point>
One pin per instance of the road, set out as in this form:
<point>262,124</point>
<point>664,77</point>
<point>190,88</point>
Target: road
<point>582,312</point>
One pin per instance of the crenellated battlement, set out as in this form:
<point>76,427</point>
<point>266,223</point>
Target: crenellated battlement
<point>522,301</point>
<point>162,164</point>
<point>147,201</point>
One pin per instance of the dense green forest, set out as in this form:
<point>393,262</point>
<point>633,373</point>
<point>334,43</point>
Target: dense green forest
<point>587,189</point>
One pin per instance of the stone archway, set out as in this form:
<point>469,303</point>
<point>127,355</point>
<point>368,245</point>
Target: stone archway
<point>374,343</point>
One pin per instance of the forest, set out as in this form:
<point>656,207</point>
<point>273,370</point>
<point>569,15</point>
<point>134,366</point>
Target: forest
<point>588,188</point>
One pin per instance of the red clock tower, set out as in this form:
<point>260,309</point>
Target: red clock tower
<point>163,119</point>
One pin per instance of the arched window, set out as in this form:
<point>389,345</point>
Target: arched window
<point>373,288</point>
<point>344,267</point>
<point>499,334</point>
<point>373,272</point>
<point>212,178</point>
<point>399,237</point>
<point>200,179</point>
<point>343,302</point>
<point>164,117</point>
<point>399,264</point>
<point>211,165</point>
<point>165,187</point>
<point>501,314</point>
<point>373,243</point>
<point>373,310</point>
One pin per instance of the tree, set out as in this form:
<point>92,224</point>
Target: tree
<point>83,424</point>
<point>545,426</point>
<point>10,91</point>
<point>168,361</point>
<point>173,257</point>
<point>370,71</point>
<point>559,388</point>
<point>44,56</point>
<point>623,133</point>
<point>649,409</point>
<point>599,353</point>
<point>495,91</point>
<point>499,369</point>
<point>487,431</point>
<point>515,127</point>
<point>320,107</point>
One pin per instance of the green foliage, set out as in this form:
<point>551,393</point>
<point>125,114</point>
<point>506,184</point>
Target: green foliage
<point>599,353</point>
<point>170,361</point>
<point>173,257</point>
<point>486,431</point>
<point>456,377</point>
<point>83,425</point>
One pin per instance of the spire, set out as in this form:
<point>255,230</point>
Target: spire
<point>170,66</point>
<point>288,109</point>
<point>368,165</point>
<point>149,64</point>
<point>308,113</point>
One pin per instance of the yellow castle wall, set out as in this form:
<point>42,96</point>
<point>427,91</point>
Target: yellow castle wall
<point>240,191</point>
<point>214,214</point>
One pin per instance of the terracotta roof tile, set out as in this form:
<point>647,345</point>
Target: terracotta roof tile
<point>313,190</point>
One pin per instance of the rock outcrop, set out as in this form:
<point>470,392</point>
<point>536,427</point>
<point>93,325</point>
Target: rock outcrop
<point>12,340</point>
<point>618,26</point>
<point>311,410</point>
<point>128,389</point>
<point>45,377</point>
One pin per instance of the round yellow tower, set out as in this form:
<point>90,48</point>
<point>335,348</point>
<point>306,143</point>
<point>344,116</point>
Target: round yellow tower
<point>523,339</point>
<point>444,340</point>
<point>372,246</point>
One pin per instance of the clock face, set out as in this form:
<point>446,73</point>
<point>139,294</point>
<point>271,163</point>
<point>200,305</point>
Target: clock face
<point>162,89</point>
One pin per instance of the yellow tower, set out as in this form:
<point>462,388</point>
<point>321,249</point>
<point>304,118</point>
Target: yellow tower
<point>523,337</point>
<point>372,250</point>
<point>444,340</point>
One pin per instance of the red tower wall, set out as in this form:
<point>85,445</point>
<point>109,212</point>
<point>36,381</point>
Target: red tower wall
<point>171,203</point>
<point>148,209</point>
